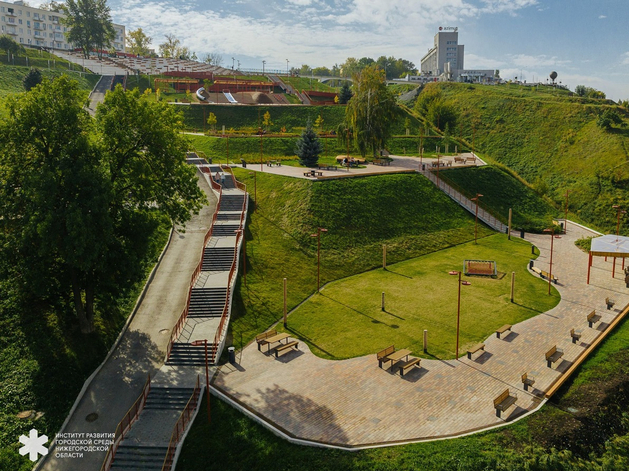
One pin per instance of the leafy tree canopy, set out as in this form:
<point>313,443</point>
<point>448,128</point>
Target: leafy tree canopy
<point>89,23</point>
<point>138,42</point>
<point>80,196</point>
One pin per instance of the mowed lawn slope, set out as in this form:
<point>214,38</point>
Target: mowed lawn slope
<point>346,319</point>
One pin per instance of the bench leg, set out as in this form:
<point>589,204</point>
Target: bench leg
<point>549,364</point>
<point>259,348</point>
<point>380,363</point>
<point>469,356</point>
<point>498,334</point>
<point>574,340</point>
<point>498,413</point>
<point>590,325</point>
<point>526,387</point>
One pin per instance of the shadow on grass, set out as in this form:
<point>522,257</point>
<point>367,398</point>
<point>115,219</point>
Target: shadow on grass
<point>527,307</point>
<point>305,338</point>
<point>388,270</point>
<point>373,319</point>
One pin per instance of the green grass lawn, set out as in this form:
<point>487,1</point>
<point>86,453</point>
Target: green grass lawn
<point>502,191</point>
<point>346,319</point>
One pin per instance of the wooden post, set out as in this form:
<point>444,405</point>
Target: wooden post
<point>384,257</point>
<point>512,284</point>
<point>589,265</point>
<point>285,311</point>
<point>383,300</point>
<point>425,340</point>
<point>510,215</point>
<point>614,268</point>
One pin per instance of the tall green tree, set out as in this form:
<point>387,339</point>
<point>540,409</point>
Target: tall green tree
<point>89,24</point>
<point>372,110</point>
<point>80,197</point>
<point>138,42</point>
<point>308,147</point>
<point>32,79</point>
<point>345,94</point>
<point>170,47</point>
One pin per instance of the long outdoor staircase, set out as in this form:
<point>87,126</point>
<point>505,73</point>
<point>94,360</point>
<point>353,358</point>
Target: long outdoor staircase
<point>196,341</point>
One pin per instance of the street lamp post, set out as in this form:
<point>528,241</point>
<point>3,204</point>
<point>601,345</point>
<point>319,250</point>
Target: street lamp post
<point>318,236</point>
<point>478,195</point>
<point>458,311</point>
<point>233,62</point>
<point>287,67</point>
<point>255,188</point>
<point>244,254</point>
<point>619,211</point>
<point>550,270</point>
<point>197,343</point>
<point>263,62</point>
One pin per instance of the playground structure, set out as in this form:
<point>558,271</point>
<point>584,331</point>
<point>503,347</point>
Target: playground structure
<point>480,267</point>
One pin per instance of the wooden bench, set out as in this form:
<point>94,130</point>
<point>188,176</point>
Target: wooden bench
<point>609,302</point>
<point>409,364</point>
<point>504,401</point>
<point>536,270</point>
<point>384,354</point>
<point>553,355</point>
<point>327,167</point>
<point>474,349</point>
<point>575,335</point>
<point>471,159</point>
<point>503,329</point>
<point>546,275</point>
<point>261,338</point>
<point>593,318</point>
<point>382,162</point>
<point>286,346</point>
<point>527,381</point>
<point>459,159</point>
<point>313,173</point>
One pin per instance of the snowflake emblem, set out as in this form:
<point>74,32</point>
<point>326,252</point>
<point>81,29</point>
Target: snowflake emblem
<point>33,445</point>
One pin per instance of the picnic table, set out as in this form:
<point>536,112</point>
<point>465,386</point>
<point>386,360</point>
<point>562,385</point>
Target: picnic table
<point>276,338</point>
<point>270,163</point>
<point>313,173</point>
<point>397,356</point>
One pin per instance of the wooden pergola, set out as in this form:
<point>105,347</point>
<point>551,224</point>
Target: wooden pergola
<point>609,246</point>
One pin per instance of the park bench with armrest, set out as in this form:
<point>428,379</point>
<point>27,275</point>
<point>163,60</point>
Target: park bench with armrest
<point>474,349</point>
<point>503,329</point>
<point>261,338</point>
<point>593,318</point>
<point>536,270</point>
<point>575,335</point>
<point>471,159</point>
<point>504,401</point>
<point>409,364</point>
<point>527,381</point>
<point>553,355</point>
<point>383,355</point>
<point>286,346</point>
<point>313,173</point>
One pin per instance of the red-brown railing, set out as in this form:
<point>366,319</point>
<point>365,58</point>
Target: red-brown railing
<point>125,424</point>
<point>180,427</point>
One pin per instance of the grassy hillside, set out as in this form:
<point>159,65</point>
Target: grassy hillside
<point>552,140</point>
<point>502,191</point>
<point>405,212</point>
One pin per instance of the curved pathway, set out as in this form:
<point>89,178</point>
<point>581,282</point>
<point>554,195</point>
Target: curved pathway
<point>354,404</point>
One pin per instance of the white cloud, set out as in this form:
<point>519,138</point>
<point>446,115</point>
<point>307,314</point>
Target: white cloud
<point>524,60</point>
<point>473,61</point>
<point>602,17</point>
<point>625,59</point>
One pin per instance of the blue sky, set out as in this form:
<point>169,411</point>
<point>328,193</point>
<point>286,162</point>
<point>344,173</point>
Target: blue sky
<point>585,41</point>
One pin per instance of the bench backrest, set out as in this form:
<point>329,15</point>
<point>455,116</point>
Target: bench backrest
<point>525,376</point>
<point>501,398</point>
<point>591,315</point>
<point>572,331</point>
<point>551,352</point>
<point>386,351</point>
<point>265,335</point>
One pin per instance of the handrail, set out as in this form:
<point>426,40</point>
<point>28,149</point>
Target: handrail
<point>180,427</point>
<point>121,429</point>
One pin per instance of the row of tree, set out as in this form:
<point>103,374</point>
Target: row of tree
<point>392,67</point>
<point>81,195</point>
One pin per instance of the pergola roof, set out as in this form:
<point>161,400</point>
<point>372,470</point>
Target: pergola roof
<point>610,246</point>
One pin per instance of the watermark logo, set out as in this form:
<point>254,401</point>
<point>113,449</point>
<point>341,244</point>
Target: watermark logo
<point>33,445</point>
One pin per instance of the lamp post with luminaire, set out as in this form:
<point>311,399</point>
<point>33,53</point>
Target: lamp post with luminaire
<point>318,236</point>
<point>197,343</point>
<point>478,195</point>
<point>458,310</point>
<point>550,269</point>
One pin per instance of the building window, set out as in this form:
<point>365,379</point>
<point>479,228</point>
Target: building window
<point>21,41</point>
<point>28,14</point>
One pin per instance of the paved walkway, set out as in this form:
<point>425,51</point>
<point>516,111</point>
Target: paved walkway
<point>353,403</point>
<point>143,346</point>
<point>399,164</point>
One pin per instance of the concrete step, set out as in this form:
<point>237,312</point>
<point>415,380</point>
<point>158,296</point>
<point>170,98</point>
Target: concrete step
<point>186,354</point>
<point>168,398</point>
<point>134,457</point>
<point>225,230</point>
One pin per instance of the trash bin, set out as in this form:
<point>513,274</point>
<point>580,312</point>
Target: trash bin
<point>522,233</point>
<point>532,250</point>
<point>232,355</point>
<point>423,167</point>
<point>530,264</point>
<point>244,164</point>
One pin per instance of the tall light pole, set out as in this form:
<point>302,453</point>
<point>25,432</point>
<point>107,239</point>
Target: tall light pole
<point>458,311</point>
<point>619,211</point>
<point>255,187</point>
<point>287,67</point>
<point>565,222</point>
<point>238,64</point>
<point>197,343</point>
<point>263,62</point>
<point>318,236</point>
<point>478,195</point>
<point>233,61</point>
<point>244,253</point>
<point>550,270</point>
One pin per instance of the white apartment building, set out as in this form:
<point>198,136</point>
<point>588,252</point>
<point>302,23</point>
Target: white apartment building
<point>41,28</point>
<point>446,56</point>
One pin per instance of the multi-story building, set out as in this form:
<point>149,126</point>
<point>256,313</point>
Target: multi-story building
<point>447,54</point>
<point>42,28</point>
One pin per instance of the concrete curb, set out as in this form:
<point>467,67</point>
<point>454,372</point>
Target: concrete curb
<point>89,380</point>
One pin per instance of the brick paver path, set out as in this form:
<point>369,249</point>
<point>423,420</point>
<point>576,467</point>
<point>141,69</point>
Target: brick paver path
<point>355,403</point>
